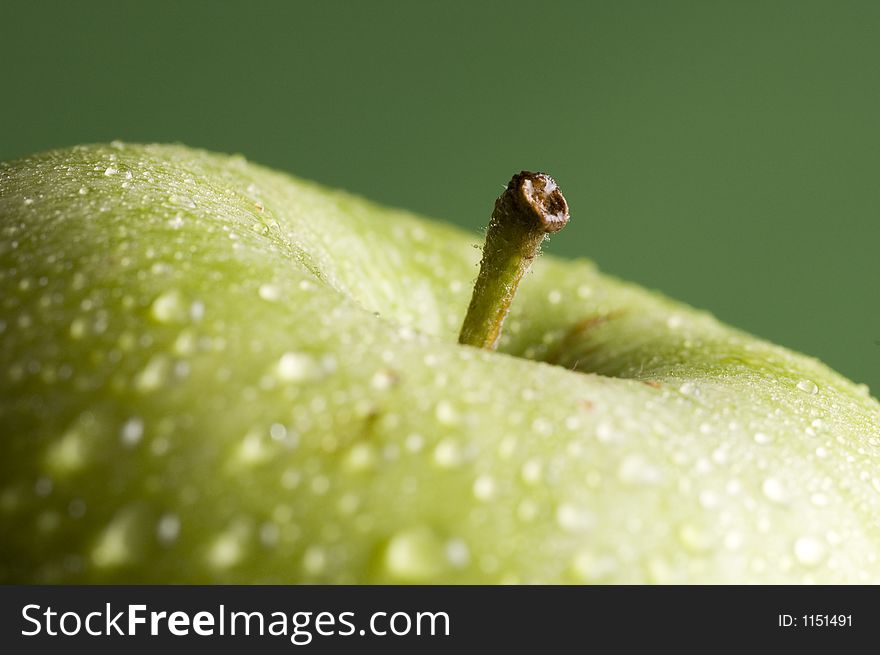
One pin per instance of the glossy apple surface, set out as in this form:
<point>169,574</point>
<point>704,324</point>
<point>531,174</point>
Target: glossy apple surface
<point>213,372</point>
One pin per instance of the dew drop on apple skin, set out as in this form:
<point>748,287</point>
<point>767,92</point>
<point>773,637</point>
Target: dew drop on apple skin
<point>383,379</point>
<point>484,488</point>
<point>606,433</point>
<point>269,292</point>
<point>417,555</point>
<point>154,375</point>
<point>695,539</point>
<point>808,386</point>
<point>314,560</point>
<point>527,510</point>
<point>76,509</point>
<point>169,307</point>
<point>297,367</point>
<point>43,486</point>
<point>168,529</point>
<point>414,442</point>
<point>688,388</point>
<point>270,533</point>
<point>116,544</point>
<point>634,469</point>
<point>360,457</point>
<point>532,471</point>
<point>762,439</point>
<point>809,551</point>
<point>457,553</point>
<point>131,432</point>
<point>774,490</point>
<point>447,454</point>
<point>572,518</point>
<point>228,548</point>
<point>446,413</point>
<point>587,566</point>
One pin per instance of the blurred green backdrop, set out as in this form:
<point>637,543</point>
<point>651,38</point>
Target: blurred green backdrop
<point>727,153</point>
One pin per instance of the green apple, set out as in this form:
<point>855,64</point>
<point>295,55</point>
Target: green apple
<point>213,372</point>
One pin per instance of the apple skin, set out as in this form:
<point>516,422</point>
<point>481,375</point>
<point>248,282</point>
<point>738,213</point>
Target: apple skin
<point>213,372</point>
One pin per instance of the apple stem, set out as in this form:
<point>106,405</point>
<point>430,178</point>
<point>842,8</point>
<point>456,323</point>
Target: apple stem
<point>531,207</point>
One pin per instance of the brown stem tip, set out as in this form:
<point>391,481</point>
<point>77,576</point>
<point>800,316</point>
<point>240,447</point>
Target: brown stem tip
<point>536,199</point>
<point>531,207</point>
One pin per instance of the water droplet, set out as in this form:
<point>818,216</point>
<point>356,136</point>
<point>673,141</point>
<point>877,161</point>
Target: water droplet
<point>674,322</point>
<point>542,426</point>
<point>383,379</point>
<point>572,518</point>
<point>297,367</point>
<point>291,478</point>
<point>809,551</point>
<point>457,553</point>
<point>77,508</point>
<point>447,454</point>
<point>605,432</point>
<point>269,534</point>
<point>446,413</point>
<point>554,297</point>
<point>253,449</point>
<point>348,504</point>
<point>132,431</point>
<point>269,292</point>
<point>689,389</point>
<point>808,386</point>
<point>694,539</point>
<point>821,452</point>
<point>774,490</point>
<point>635,469</point>
<point>197,310</point>
<point>320,485</point>
<point>484,488</point>
<point>360,457</point>
<point>414,442</point>
<point>169,307</point>
<point>532,471</point>
<point>415,555</point>
<point>177,222</point>
<point>278,431</point>
<point>43,486</point>
<point>709,498</point>
<point>733,540</point>
<point>762,438</point>
<point>527,510</point>
<point>110,170</point>
<point>819,499</point>
<point>115,546</point>
<point>70,452</point>
<point>168,529</point>
<point>153,375</point>
<point>587,566</point>
<point>228,548</point>
<point>584,291</point>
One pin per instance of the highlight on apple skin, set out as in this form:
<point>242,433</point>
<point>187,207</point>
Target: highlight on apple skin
<point>214,372</point>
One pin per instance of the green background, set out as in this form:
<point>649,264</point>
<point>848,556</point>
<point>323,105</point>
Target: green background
<point>726,153</point>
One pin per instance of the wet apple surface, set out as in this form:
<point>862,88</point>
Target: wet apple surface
<point>213,372</point>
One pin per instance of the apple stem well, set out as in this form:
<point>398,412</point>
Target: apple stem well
<point>531,207</point>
